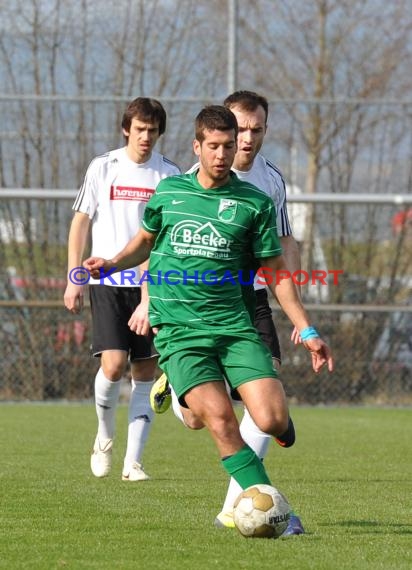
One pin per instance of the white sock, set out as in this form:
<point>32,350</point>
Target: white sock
<point>106,395</point>
<point>176,407</point>
<point>140,421</point>
<point>253,436</point>
<point>259,442</point>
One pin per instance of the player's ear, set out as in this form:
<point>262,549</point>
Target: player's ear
<point>126,133</point>
<point>196,147</point>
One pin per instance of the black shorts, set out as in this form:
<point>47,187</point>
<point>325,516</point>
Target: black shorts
<point>111,309</point>
<point>264,323</point>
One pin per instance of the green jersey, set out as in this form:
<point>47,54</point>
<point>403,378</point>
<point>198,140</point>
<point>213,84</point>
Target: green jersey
<point>206,242</point>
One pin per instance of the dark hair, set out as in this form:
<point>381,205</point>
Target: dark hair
<point>214,117</point>
<point>144,109</point>
<point>247,100</point>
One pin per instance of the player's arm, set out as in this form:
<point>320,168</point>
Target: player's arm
<point>290,248</point>
<point>134,253</point>
<point>285,292</point>
<point>78,234</point>
<point>139,321</point>
<point>291,253</point>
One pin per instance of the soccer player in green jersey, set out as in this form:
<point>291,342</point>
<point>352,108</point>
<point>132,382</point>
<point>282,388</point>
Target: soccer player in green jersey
<point>201,230</point>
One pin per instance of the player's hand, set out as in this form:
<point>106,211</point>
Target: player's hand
<point>139,321</point>
<point>320,352</point>
<point>73,298</point>
<point>295,336</point>
<point>95,265</point>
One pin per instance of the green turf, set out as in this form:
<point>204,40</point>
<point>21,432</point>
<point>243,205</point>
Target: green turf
<point>348,476</point>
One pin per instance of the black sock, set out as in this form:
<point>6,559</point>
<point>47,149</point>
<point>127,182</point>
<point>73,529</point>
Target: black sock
<point>287,438</point>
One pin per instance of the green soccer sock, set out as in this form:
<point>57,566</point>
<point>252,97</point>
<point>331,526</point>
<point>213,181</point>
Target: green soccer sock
<point>246,468</point>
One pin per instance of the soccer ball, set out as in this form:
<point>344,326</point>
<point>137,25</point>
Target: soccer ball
<point>261,511</point>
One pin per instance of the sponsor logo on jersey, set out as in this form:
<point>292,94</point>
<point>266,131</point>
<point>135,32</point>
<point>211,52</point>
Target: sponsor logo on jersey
<point>227,210</point>
<point>190,237</point>
<point>131,193</point>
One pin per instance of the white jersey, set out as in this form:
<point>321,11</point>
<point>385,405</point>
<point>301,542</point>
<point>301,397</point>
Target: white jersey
<point>114,195</point>
<point>265,176</point>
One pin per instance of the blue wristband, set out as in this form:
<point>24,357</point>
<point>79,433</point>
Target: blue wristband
<point>308,333</point>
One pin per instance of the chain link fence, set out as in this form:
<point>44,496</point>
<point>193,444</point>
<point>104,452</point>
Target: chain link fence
<point>358,290</point>
<point>372,351</point>
<point>45,354</point>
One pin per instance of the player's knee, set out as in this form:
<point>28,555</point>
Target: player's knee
<point>113,371</point>
<point>194,423</point>
<point>113,374</point>
<point>143,369</point>
<point>113,364</point>
<point>272,423</point>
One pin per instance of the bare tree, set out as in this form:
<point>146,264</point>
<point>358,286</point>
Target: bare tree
<point>329,50</point>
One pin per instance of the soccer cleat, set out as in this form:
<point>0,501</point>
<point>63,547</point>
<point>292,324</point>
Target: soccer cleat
<point>135,473</point>
<point>287,439</point>
<point>225,520</point>
<point>295,526</point>
<point>160,395</point>
<point>101,458</point>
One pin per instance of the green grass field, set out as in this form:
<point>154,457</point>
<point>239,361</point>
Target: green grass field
<point>348,476</point>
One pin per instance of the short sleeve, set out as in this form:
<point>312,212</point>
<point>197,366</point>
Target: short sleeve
<point>86,199</point>
<point>265,235</point>
<point>279,197</point>
<point>152,218</point>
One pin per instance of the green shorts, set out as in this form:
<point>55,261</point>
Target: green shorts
<point>191,356</point>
